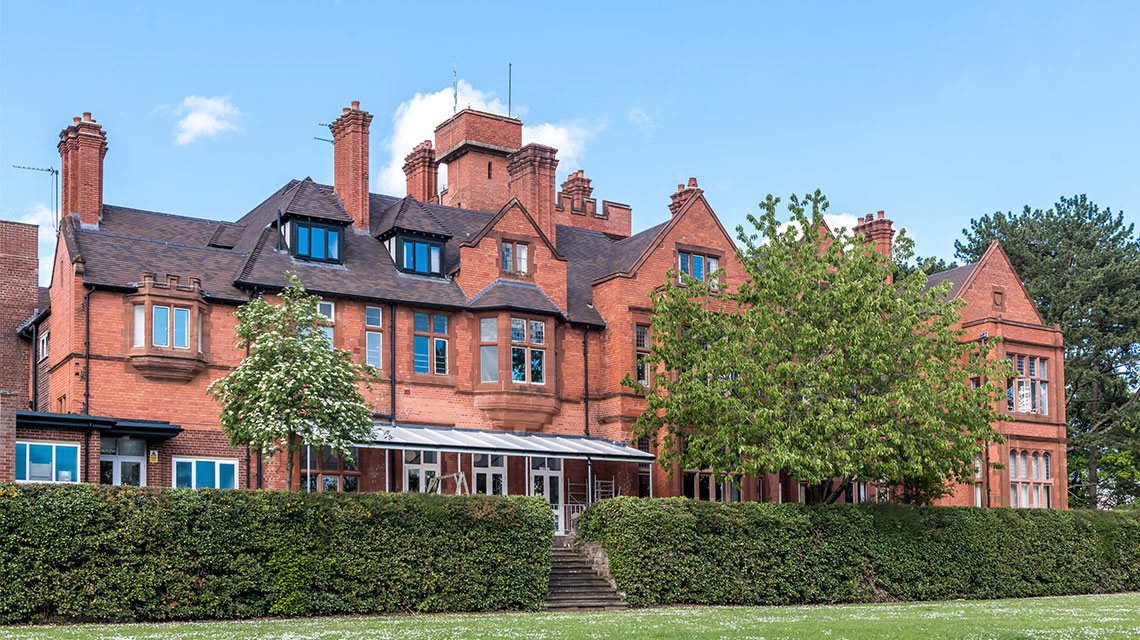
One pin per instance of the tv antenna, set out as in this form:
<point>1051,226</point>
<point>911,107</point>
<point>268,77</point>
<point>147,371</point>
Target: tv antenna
<point>508,89</point>
<point>326,125</point>
<point>54,197</point>
<point>454,89</point>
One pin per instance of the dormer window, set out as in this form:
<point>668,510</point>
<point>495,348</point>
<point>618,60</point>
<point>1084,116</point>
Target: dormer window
<point>420,256</point>
<point>321,242</point>
<point>515,256</point>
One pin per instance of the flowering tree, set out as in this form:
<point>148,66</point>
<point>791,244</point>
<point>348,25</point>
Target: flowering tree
<point>828,361</point>
<point>293,388</point>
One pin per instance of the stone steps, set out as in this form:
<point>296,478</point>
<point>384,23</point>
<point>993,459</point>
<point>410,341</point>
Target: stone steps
<point>574,586</point>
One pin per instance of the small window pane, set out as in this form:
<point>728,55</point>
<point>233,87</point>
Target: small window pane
<point>642,336</point>
<point>431,457</point>
<point>698,267</point>
<point>480,460</point>
<point>328,331</point>
<point>140,325</point>
<point>183,474</point>
<point>66,464</point>
<point>329,460</point>
<point>372,316</point>
<point>1044,405</point>
<point>489,363</point>
<point>226,472</point>
<point>181,328</point>
<point>518,364</point>
<point>131,447</point>
<point>1024,469</point>
<point>537,366</point>
<point>420,362</point>
<point>106,472</point>
<point>351,484</point>
<point>1046,472</point>
<point>325,309</point>
<point>642,370</point>
<point>1013,464</point>
<point>481,483</point>
<point>1013,494</point>
<point>441,356</point>
<point>302,240</point>
<point>1036,467</point>
<point>330,483</point>
<point>409,255</point>
<point>108,446</point>
<point>350,463</point>
<point>508,259</point>
<point>334,245</point>
<point>435,253</point>
<point>421,257</point>
<point>713,265</point>
<point>204,470</point>
<point>683,258</point>
<point>161,326</point>
<point>1021,365</point>
<point>21,461</point>
<point>1042,370</point>
<point>518,330</point>
<point>520,257</point>
<point>411,456</point>
<point>439,324</point>
<point>374,348</point>
<point>421,323</point>
<point>537,332</point>
<point>1033,367</point>
<point>39,462</point>
<point>489,329</point>
<point>318,244</point>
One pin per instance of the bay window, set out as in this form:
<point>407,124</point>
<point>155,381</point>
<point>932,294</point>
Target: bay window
<point>1030,480</point>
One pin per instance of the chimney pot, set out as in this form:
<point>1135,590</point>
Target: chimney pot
<point>356,105</point>
<point>692,183</point>
<point>75,120</point>
<point>87,116</point>
<point>345,112</point>
<point>882,214</point>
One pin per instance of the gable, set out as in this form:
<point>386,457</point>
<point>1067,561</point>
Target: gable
<point>994,289</point>
<point>695,227</point>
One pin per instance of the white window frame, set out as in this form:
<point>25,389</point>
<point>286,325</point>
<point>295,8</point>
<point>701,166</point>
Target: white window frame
<point>329,332</point>
<point>54,446</point>
<point>380,313</point>
<point>139,329</point>
<point>194,470</point>
<point>423,468</point>
<point>153,324</point>
<point>174,327</point>
<point>117,472</point>
<point>490,470</point>
<point>446,356</point>
<point>380,349</point>
<point>43,346</point>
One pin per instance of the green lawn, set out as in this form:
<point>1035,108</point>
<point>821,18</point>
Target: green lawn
<point>1100,617</point>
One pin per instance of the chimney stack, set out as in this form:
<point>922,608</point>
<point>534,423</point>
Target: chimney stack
<point>683,195</point>
<point>82,146</point>
<point>532,182</point>
<point>350,162</point>
<point>577,186</point>
<point>877,232</point>
<point>422,172</point>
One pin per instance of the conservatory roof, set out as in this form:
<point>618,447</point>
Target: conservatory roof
<point>387,436</point>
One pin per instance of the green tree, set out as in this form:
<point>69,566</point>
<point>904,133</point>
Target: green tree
<point>292,388</point>
<point>929,266</point>
<point>1081,265</point>
<point>828,361</point>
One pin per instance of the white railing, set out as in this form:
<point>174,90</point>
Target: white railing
<point>568,514</point>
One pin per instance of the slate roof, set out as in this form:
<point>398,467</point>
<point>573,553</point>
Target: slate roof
<point>957,277</point>
<point>44,302</point>
<point>509,294</point>
<point>232,258</point>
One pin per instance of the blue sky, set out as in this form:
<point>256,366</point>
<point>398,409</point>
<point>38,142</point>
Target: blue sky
<point>935,113</point>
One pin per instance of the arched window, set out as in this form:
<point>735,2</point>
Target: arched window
<point>1036,466</point>
<point>1024,464</point>
<point>1012,464</point>
<point>1046,472</point>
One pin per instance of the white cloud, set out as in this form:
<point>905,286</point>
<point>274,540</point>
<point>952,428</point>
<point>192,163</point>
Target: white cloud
<point>415,120</point>
<point>642,120</point>
<point>204,117</point>
<point>39,214</point>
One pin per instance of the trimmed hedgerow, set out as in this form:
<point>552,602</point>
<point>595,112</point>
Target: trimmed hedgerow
<point>89,552</point>
<point>673,550</point>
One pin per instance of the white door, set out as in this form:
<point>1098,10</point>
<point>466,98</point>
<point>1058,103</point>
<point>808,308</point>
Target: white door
<point>419,469</point>
<point>546,481</point>
<point>122,461</point>
<point>490,473</point>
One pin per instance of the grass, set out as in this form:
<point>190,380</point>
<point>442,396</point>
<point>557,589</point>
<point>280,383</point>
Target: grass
<point>1099,616</point>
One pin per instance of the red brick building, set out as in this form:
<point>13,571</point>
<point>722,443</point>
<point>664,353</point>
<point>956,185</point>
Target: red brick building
<point>502,311</point>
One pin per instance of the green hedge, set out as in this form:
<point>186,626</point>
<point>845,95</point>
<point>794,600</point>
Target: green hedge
<point>675,550</point>
<point>87,552</point>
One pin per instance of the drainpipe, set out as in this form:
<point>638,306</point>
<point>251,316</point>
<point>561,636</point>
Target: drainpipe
<point>389,472</point>
<point>586,380</point>
<point>86,450</point>
<point>87,354</point>
<point>35,366</point>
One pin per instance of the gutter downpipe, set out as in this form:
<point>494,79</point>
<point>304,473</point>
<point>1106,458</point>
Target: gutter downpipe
<point>388,470</point>
<point>32,404</point>
<point>87,354</point>
<point>586,381</point>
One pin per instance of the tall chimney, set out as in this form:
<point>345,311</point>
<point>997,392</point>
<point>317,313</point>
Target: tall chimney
<point>82,146</point>
<point>422,172</point>
<point>532,182</point>
<point>350,162</point>
<point>683,194</point>
<point>877,232</point>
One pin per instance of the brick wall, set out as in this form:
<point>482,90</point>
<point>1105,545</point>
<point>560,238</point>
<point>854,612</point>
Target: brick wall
<point>19,291</point>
